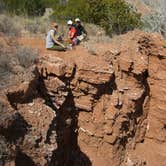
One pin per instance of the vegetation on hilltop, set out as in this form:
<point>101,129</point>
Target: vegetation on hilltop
<point>115,16</point>
<point>23,7</point>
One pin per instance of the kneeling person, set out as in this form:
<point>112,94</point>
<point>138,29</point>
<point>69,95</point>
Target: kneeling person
<point>81,32</point>
<point>51,42</point>
<point>72,34</point>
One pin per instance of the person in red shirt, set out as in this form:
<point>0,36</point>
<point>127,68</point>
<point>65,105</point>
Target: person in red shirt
<point>72,34</point>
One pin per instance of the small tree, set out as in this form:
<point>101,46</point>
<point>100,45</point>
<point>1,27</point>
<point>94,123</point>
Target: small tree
<point>71,9</point>
<point>22,7</point>
<point>115,16</point>
<point>97,12</point>
<point>121,17</point>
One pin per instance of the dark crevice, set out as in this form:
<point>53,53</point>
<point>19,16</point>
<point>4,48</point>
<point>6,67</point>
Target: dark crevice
<point>38,141</point>
<point>131,67</point>
<point>164,127</point>
<point>23,160</point>
<point>68,152</point>
<point>44,94</point>
<point>139,112</point>
<point>139,104</point>
<point>65,125</point>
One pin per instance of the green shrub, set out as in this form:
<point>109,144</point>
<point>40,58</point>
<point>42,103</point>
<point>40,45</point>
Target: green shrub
<point>24,7</point>
<point>71,10</point>
<point>115,16</point>
<point>121,17</point>
<point>2,6</point>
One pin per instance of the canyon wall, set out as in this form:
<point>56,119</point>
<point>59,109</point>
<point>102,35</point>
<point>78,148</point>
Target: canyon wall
<point>104,109</point>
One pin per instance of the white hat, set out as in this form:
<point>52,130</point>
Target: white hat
<point>77,20</point>
<point>70,22</point>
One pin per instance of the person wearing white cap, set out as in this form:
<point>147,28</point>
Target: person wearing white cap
<point>52,43</point>
<point>81,32</point>
<point>72,34</point>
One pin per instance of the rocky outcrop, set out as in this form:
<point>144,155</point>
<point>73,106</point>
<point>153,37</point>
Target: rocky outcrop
<point>106,109</point>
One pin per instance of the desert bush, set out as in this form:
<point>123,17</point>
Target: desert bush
<point>26,56</point>
<point>9,26</point>
<point>6,58</point>
<point>156,21</point>
<point>14,65</point>
<point>96,35</point>
<point>36,25</point>
<point>93,29</point>
<point>5,63</point>
<point>32,25</point>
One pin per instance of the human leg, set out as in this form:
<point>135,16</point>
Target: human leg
<point>57,48</point>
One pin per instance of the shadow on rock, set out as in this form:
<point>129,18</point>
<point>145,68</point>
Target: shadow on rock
<point>23,160</point>
<point>16,129</point>
<point>26,92</point>
<point>65,125</point>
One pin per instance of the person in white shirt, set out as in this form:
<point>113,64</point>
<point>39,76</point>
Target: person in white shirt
<point>52,43</point>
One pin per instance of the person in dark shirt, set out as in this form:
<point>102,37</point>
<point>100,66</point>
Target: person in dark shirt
<point>81,32</point>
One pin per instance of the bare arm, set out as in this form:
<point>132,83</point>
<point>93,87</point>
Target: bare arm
<point>71,35</point>
<point>56,41</point>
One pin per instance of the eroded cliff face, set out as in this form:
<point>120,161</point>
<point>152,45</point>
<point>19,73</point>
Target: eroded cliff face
<point>104,109</point>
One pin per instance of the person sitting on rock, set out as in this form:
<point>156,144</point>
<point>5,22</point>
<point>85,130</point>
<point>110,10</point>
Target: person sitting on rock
<point>81,32</point>
<point>72,34</point>
<point>52,42</point>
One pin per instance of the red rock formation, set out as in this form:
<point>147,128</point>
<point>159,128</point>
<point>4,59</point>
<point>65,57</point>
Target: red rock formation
<point>107,109</point>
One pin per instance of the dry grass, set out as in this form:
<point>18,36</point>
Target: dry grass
<point>14,66</point>
<point>9,26</point>
<point>17,25</point>
<point>37,25</point>
<point>95,35</point>
<point>26,56</point>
